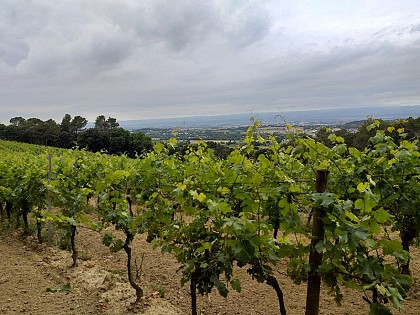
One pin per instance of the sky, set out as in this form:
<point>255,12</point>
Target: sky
<point>144,59</point>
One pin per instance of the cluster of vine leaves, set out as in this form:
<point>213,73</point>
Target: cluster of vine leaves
<point>248,212</point>
<point>21,183</point>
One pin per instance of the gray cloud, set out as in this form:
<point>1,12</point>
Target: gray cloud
<point>415,28</point>
<point>146,59</point>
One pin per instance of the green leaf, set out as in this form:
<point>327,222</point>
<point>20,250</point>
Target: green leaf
<point>221,287</point>
<point>225,208</point>
<point>361,234</point>
<point>117,246</point>
<point>352,217</point>
<point>107,239</point>
<point>257,179</point>
<point>381,215</point>
<point>359,204</point>
<point>379,309</point>
<point>198,196</point>
<point>224,191</point>
<point>395,297</point>
<point>172,142</point>
<point>201,197</point>
<point>389,247</point>
<point>159,147</point>
<point>332,137</point>
<point>379,137</point>
<point>319,247</point>
<point>295,188</point>
<point>66,288</point>
<point>206,245</point>
<point>236,285</point>
<point>374,227</point>
<point>382,290</point>
<point>361,187</point>
<point>260,139</point>
<point>371,200</point>
<point>327,200</point>
<point>340,149</point>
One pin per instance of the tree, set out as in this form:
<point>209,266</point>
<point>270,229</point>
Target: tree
<point>17,121</point>
<point>119,141</point>
<point>139,143</point>
<point>69,129</point>
<point>51,132</point>
<point>3,128</point>
<point>33,122</point>
<point>93,140</point>
<point>66,123</point>
<point>101,124</point>
<point>77,124</point>
<point>112,123</point>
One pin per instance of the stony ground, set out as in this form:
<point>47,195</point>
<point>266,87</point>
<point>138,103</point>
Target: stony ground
<point>37,279</point>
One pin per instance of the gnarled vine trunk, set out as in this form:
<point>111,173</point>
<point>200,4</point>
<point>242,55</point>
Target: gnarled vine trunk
<point>407,235</point>
<point>74,252</point>
<point>272,282</point>
<point>9,207</point>
<point>193,293</point>
<point>25,210</point>
<point>127,249</point>
<point>2,214</point>
<point>39,229</point>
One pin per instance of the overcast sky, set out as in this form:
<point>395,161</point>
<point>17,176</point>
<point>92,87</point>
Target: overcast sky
<point>138,59</point>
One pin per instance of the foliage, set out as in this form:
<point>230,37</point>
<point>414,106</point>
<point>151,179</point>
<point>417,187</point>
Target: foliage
<point>105,136</point>
<point>216,215</point>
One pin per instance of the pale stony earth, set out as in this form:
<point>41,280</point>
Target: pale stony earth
<point>33,281</point>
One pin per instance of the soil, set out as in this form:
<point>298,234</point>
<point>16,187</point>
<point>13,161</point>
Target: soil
<point>37,279</point>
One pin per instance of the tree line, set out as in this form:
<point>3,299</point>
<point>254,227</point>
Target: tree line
<point>360,138</point>
<point>106,135</point>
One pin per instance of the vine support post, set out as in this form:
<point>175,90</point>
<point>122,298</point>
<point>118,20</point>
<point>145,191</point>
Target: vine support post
<point>50,225</point>
<point>193,293</point>
<point>315,258</point>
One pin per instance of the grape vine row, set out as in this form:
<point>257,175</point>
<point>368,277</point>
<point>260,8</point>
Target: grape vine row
<point>216,215</point>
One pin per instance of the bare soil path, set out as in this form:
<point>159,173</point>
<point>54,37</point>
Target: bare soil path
<point>29,286</point>
<point>37,280</point>
<point>33,279</point>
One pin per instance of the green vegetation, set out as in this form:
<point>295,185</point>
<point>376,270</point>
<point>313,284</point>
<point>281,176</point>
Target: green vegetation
<point>246,210</point>
<point>360,137</point>
<point>106,135</point>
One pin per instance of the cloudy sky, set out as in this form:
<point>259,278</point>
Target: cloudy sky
<point>140,59</point>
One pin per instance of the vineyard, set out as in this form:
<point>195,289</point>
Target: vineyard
<point>296,214</point>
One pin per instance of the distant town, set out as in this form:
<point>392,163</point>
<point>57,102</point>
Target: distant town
<point>231,135</point>
<point>231,128</point>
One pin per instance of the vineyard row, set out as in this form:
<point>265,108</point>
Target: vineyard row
<point>327,212</point>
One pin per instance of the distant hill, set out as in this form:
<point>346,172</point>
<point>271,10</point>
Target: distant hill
<point>321,116</point>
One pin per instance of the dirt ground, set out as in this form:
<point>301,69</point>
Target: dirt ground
<point>36,279</point>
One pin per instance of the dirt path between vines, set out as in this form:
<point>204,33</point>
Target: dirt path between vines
<point>27,287</point>
<point>37,280</point>
<point>33,281</point>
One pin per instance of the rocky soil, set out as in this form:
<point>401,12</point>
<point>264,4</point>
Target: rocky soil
<point>37,279</point>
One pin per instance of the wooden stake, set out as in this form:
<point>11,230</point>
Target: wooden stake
<point>315,258</point>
